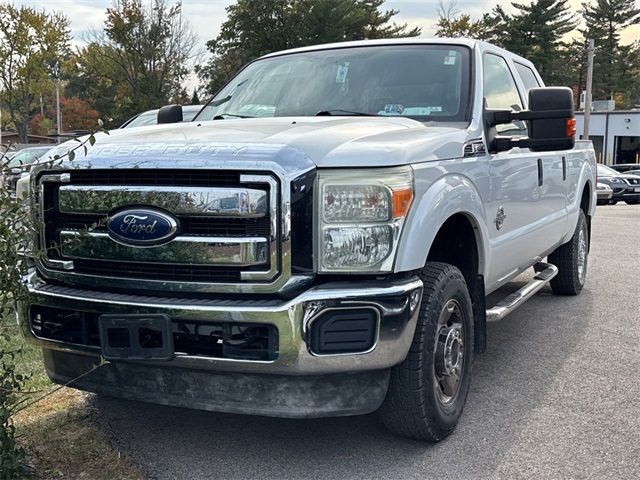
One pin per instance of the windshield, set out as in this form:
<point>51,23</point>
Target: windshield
<point>27,156</point>
<point>424,82</point>
<point>604,171</point>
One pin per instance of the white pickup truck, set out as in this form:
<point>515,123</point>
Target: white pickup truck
<point>320,240</point>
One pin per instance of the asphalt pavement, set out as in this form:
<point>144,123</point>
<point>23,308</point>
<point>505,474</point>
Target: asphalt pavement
<point>556,395</point>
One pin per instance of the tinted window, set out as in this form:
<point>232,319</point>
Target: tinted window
<point>527,76</point>
<point>500,91</point>
<point>425,82</point>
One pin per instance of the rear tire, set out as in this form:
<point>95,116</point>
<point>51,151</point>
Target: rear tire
<point>426,396</point>
<point>571,260</point>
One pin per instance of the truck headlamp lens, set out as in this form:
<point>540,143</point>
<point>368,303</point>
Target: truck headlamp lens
<point>348,203</point>
<point>361,216</point>
<point>356,246</point>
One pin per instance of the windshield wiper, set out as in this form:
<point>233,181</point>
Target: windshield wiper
<point>217,103</point>
<point>223,116</point>
<point>338,112</point>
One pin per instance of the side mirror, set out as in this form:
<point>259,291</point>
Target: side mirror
<point>170,114</point>
<point>550,122</point>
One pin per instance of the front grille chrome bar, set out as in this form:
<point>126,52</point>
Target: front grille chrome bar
<point>192,201</point>
<point>233,251</point>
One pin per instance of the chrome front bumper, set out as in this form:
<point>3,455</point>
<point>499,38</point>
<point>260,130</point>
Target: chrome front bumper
<point>397,323</point>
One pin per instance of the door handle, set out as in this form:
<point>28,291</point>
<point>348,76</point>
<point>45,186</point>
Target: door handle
<point>564,168</point>
<point>540,173</point>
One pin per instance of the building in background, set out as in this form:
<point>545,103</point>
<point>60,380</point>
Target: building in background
<point>615,135</point>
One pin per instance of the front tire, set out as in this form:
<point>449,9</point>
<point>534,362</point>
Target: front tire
<point>571,260</point>
<point>632,202</point>
<point>427,391</point>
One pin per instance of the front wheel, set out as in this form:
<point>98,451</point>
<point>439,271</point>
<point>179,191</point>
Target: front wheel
<point>427,391</point>
<point>635,201</point>
<point>571,260</point>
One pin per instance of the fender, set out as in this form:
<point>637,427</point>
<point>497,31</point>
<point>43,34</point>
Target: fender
<point>586,177</point>
<point>436,202</point>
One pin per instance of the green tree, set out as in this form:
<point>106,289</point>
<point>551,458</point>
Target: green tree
<point>536,31</point>
<point>90,74</point>
<point>195,99</point>
<point>30,42</point>
<point>454,24</point>
<point>138,62</point>
<point>616,67</point>
<point>257,27</point>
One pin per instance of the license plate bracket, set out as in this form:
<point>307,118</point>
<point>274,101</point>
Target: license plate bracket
<point>136,337</point>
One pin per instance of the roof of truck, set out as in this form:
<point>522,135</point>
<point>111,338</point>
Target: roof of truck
<point>467,42</point>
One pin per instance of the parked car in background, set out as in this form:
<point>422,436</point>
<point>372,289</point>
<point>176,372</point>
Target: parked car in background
<point>625,167</point>
<point>624,185</point>
<point>150,117</point>
<point>604,192</point>
<point>20,163</point>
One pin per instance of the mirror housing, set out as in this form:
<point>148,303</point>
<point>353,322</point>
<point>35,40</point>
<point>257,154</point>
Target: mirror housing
<point>550,122</point>
<point>170,114</point>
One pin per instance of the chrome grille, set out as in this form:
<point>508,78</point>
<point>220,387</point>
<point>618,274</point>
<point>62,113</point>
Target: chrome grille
<point>229,228</point>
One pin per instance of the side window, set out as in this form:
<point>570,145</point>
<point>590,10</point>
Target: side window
<point>527,76</point>
<point>500,91</point>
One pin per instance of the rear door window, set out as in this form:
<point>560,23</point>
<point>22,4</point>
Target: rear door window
<point>527,76</point>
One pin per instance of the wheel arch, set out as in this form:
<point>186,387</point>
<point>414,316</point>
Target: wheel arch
<point>451,208</point>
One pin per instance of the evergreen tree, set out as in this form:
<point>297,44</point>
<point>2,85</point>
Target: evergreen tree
<point>454,24</point>
<point>535,32</point>
<point>195,99</point>
<point>616,67</point>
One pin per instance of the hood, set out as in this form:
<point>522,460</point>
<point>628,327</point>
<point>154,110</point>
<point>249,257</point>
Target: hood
<point>326,141</point>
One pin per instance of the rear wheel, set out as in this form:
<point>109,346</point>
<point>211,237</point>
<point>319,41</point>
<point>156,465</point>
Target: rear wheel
<point>427,391</point>
<point>571,260</point>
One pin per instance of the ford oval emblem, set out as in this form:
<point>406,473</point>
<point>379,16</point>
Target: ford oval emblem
<point>143,227</point>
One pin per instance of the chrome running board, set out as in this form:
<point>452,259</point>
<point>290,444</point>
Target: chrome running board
<point>545,272</point>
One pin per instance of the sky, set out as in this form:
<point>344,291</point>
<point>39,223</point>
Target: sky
<point>206,16</point>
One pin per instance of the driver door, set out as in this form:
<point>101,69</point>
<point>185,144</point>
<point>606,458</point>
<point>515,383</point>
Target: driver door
<point>515,210</point>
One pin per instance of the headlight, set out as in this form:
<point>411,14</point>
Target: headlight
<point>23,190</point>
<point>361,216</point>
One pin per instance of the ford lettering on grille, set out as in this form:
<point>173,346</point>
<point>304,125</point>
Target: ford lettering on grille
<point>142,227</point>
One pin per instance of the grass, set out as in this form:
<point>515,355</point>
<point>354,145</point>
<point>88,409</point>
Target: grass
<point>58,432</point>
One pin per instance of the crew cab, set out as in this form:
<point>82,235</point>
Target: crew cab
<point>319,241</point>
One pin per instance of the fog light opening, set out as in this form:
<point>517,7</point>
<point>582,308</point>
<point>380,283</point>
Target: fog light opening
<point>414,300</point>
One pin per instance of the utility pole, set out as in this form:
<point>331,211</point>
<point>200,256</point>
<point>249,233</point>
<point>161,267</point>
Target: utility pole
<point>58,115</point>
<point>587,100</point>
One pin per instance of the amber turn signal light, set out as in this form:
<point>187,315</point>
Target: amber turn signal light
<point>571,127</point>
<point>402,202</point>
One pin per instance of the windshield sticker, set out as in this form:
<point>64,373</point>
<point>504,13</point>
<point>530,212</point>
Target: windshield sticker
<point>450,60</point>
<point>341,75</point>
<point>397,109</point>
<point>393,109</point>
